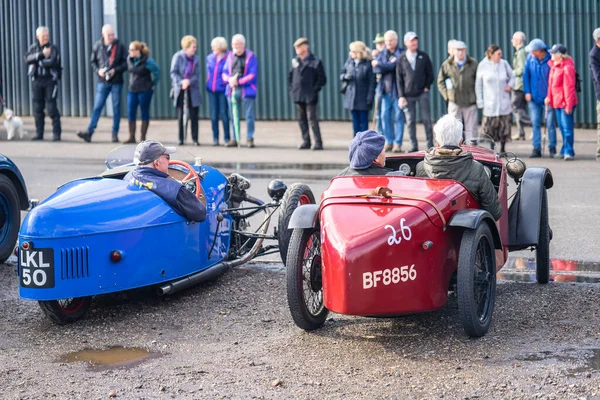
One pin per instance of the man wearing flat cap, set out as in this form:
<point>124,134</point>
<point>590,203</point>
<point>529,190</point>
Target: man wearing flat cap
<point>595,69</point>
<point>367,156</point>
<point>456,82</point>
<point>535,88</point>
<point>152,173</point>
<point>305,79</point>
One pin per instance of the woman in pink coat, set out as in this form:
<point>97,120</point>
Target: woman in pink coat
<point>562,96</point>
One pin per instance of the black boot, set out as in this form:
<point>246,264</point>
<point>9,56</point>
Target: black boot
<point>145,125</point>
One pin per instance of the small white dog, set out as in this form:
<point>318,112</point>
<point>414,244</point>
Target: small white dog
<point>13,124</point>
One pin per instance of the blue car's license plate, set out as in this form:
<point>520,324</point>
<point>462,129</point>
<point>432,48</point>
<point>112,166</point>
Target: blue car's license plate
<point>37,268</point>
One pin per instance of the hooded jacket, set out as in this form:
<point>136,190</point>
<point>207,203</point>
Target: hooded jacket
<point>535,77</point>
<point>561,84</point>
<point>459,165</point>
<point>463,81</point>
<point>492,79</point>
<point>249,79</point>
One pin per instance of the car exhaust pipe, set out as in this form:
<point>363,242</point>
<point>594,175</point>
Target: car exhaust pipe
<point>217,269</point>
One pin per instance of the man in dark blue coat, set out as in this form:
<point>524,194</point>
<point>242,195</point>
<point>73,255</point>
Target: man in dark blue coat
<point>595,68</point>
<point>385,64</point>
<point>152,174</point>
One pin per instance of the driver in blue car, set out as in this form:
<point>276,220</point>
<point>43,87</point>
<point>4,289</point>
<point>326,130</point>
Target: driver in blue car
<point>449,161</point>
<point>151,173</point>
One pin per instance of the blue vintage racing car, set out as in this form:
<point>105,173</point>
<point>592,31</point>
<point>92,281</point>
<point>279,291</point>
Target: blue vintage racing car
<point>102,235</point>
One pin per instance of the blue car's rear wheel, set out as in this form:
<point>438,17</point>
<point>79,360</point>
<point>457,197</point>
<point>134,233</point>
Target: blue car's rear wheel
<point>66,311</point>
<point>10,217</point>
<point>476,280</point>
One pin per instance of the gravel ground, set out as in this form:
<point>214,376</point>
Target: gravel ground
<point>234,338</point>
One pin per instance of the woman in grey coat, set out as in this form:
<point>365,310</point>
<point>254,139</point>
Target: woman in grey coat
<point>185,78</point>
<point>360,83</point>
<point>493,84</point>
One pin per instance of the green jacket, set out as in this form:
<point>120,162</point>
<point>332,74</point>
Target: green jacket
<point>518,66</point>
<point>462,91</point>
<point>460,166</point>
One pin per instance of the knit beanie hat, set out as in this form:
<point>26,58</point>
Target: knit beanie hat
<point>364,149</point>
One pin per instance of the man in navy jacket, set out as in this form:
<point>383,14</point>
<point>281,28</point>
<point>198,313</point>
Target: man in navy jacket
<point>535,87</point>
<point>595,68</point>
<point>385,64</point>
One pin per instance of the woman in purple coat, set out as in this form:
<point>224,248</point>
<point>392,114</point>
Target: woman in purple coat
<point>215,87</point>
<point>185,78</point>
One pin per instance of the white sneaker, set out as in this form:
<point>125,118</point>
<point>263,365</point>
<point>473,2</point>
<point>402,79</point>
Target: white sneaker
<point>569,158</point>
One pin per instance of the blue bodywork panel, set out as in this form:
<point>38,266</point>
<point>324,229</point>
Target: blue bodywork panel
<point>85,220</point>
<point>8,168</point>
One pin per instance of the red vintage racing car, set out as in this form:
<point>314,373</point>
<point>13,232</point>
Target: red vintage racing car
<point>387,246</point>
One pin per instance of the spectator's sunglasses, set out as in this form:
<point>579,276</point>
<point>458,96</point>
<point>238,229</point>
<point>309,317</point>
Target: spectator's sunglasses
<point>168,156</point>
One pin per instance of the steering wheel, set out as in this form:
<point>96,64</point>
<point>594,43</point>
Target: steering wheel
<point>192,175</point>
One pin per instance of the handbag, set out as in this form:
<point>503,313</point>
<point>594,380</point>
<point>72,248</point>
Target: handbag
<point>344,87</point>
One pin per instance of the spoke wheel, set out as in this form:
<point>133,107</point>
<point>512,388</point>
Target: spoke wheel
<point>304,279</point>
<point>542,250</point>
<point>66,311</point>
<point>10,217</point>
<point>296,195</point>
<point>476,280</point>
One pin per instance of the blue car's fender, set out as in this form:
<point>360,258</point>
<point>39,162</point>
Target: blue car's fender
<point>10,170</point>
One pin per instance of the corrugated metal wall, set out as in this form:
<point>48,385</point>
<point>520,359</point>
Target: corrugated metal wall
<point>73,24</point>
<point>271,26</point>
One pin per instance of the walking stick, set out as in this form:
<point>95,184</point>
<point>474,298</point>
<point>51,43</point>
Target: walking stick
<point>545,129</point>
<point>235,115</point>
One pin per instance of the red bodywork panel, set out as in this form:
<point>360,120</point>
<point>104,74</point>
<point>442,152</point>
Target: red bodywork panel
<point>373,258</point>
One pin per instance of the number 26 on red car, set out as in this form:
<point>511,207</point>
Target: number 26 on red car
<point>395,238</point>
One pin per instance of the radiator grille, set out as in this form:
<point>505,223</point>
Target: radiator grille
<point>74,263</point>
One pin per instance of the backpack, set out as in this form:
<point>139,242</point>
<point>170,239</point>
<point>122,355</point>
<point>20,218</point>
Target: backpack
<point>577,82</point>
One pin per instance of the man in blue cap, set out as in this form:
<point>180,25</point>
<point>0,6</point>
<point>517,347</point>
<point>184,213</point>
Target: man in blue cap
<point>535,87</point>
<point>152,173</point>
<point>367,156</point>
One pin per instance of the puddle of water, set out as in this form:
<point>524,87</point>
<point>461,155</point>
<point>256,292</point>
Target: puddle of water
<point>113,357</point>
<point>588,358</point>
<point>285,166</point>
<point>523,270</point>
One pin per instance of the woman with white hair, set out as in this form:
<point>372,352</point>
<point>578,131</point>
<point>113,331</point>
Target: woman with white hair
<point>358,86</point>
<point>217,101</point>
<point>493,84</point>
<point>448,161</point>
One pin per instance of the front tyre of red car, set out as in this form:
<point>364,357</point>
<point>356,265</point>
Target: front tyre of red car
<point>66,311</point>
<point>304,279</point>
<point>542,250</point>
<point>296,195</point>
<point>476,279</point>
<point>10,217</point>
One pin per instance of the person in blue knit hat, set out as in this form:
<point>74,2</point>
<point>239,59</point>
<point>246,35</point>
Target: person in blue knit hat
<point>367,155</point>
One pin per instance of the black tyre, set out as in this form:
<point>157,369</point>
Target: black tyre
<point>542,250</point>
<point>476,280</point>
<point>10,217</point>
<point>296,195</point>
<point>66,311</point>
<point>304,279</point>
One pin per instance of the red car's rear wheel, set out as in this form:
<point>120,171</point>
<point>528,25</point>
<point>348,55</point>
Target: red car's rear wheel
<point>66,311</point>
<point>304,279</point>
<point>476,280</point>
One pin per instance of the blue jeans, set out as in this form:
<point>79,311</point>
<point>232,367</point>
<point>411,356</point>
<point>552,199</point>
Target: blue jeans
<point>536,113</point>
<point>565,123</point>
<point>360,120</point>
<point>248,104</point>
<point>390,113</point>
<point>218,108</point>
<point>102,91</point>
<point>141,99</point>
